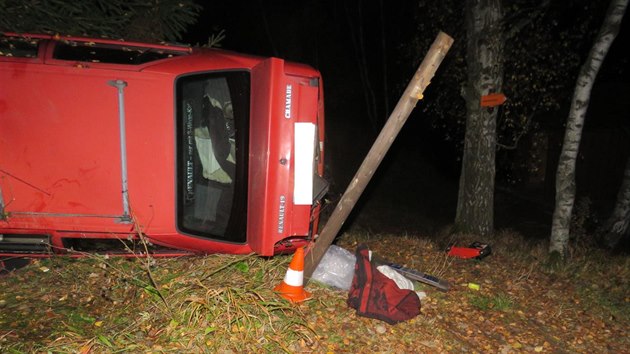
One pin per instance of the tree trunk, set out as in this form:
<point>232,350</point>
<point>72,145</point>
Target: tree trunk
<point>358,41</point>
<point>475,204</point>
<point>616,227</point>
<point>565,176</point>
<point>384,61</point>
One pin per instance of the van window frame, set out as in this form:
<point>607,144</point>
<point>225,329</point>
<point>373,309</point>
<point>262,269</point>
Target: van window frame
<point>43,41</point>
<point>55,42</point>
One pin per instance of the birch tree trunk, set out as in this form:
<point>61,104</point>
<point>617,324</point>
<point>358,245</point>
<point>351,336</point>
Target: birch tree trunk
<point>565,176</point>
<point>616,227</point>
<point>475,204</point>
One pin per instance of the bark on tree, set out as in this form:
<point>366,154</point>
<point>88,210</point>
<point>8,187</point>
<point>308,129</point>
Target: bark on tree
<point>616,227</point>
<point>565,175</point>
<point>475,204</point>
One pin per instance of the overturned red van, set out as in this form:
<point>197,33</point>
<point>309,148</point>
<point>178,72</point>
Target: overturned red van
<point>200,150</point>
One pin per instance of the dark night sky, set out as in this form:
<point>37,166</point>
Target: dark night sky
<point>319,33</point>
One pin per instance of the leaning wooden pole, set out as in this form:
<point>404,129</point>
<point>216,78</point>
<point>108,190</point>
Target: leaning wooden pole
<point>396,120</point>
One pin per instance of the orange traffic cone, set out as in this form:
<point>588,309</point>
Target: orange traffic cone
<point>291,287</point>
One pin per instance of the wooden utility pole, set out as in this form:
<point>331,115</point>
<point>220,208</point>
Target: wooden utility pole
<point>396,120</point>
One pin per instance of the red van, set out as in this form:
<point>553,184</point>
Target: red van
<point>200,150</point>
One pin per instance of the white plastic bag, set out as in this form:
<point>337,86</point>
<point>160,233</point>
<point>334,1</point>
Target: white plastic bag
<point>336,268</point>
<point>399,279</point>
<point>402,281</point>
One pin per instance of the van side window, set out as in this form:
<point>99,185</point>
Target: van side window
<point>19,47</point>
<point>110,53</point>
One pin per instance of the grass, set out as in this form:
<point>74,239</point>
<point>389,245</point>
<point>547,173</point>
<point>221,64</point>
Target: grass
<point>225,303</point>
<point>499,302</point>
<point>227,297</point>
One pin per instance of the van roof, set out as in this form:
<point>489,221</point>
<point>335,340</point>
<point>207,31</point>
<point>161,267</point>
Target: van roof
<point>57,37</point>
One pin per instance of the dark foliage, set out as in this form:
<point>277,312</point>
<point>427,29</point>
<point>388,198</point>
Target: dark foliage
<point>140,20</point>
<point>544,47</point>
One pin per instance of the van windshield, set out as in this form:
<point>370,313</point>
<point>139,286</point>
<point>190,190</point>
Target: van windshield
<point>212,149</point>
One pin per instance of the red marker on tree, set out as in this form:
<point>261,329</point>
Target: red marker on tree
<point>492,100</point>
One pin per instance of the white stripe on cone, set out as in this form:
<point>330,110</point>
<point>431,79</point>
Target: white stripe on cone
<point>294,277</point>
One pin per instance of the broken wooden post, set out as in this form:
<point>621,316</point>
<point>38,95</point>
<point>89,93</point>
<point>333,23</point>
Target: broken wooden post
<point>413,93</point>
